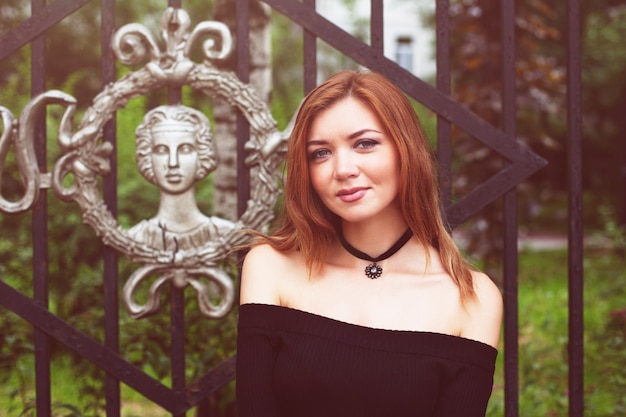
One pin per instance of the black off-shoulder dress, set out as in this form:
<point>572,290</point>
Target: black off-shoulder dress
<point>292,363</point>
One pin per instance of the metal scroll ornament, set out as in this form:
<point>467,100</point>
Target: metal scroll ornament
<point>180,245</point>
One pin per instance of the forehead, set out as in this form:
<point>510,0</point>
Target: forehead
<point>172,137</point>
<point>344,117</point>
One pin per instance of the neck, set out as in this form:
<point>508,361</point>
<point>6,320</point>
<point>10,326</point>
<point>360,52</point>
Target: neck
<point>397,245</point>
<point>373,238</point>
<point>180,211</point>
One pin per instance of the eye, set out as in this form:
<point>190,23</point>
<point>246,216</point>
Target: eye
<point>186,148</point>
<point>160,150</point>
<point>366,143</point>
<point>319,154</point>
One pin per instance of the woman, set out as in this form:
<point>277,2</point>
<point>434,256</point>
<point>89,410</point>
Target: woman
<point>360,304</point>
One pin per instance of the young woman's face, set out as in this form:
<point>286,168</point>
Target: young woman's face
<point>353,164</point>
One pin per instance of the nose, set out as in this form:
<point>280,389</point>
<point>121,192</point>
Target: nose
<point>346,165</point>
<point>172,159</point>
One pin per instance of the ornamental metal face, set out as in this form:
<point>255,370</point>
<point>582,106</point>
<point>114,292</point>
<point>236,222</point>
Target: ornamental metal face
<point>174,150</point>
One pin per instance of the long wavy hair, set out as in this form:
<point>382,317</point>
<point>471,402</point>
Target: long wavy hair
<point>306,225</point>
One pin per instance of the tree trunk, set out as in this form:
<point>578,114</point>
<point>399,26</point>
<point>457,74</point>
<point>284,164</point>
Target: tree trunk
<point>225,181</point>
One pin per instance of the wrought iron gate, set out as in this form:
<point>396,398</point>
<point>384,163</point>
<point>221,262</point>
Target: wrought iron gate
<point>521,163</point>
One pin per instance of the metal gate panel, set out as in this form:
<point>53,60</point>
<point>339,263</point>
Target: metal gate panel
<point>518,164</point>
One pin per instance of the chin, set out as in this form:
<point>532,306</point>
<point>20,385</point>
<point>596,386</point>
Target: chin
<point>355,218</point>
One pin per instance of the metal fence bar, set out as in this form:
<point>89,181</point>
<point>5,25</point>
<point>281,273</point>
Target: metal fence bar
<point>37,24</point>
<point>243,128</point>
<point>109,185</point>
<point>310,55</point>
<point>177,295</point>
<point>90,349</point>
<point>44,16</point>
<point>575,232</point>
<point>418,89</point>
<point>377,25</point>
<point>174,95</point>
<point>510,255</point>
<point>43,399</point>
<point>524,161</point>
<point>444,131</point>
<point>177,337</point>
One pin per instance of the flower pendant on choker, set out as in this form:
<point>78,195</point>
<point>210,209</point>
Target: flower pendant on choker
<point>374,270</point>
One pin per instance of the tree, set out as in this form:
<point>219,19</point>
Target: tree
<point>225,182</point>
<point>604,105</point>
<point>540,29</point>
<point>476,51</point>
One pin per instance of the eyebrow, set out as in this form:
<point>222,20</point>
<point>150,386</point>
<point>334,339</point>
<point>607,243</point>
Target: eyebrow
<point>354,135</point>
<point>362,132</point>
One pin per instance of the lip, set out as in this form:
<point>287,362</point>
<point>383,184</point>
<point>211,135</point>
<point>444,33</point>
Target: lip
<point>174,178</point>
<point>349,195</point>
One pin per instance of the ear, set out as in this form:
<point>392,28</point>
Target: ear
<point>201,172</point>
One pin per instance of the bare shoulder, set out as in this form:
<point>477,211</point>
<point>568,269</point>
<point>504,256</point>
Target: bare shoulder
<point>485,312</point>
<point>487,291</point>
<point>261,275</point>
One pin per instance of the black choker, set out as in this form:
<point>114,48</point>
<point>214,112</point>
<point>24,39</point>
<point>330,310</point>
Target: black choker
<point>374,270</point>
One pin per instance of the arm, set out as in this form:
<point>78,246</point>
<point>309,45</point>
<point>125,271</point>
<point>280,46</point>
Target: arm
<point>256,354</point>
<point>484,313</point>
<point>466,393</point>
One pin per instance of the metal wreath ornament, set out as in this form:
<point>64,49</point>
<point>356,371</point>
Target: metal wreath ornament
<point>86,156</point>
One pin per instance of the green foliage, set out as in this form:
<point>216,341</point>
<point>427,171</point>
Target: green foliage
<point>58,410</point>
<point>287,90</point>
<point>543,333</point>
<point>604,104</point>
<point>15,91</point>
<point>540,106</point>
<point>476,55</point>
<point>611,235</point>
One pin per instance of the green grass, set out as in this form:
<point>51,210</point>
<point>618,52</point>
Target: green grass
<point>543,336</point>
<point>67,399</point>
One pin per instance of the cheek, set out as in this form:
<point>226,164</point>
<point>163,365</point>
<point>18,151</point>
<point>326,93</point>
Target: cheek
<point>394,167</point>
<point>389,174</point>
<point>159,162</point>
<point>317,179</point>
<point>188,161</point>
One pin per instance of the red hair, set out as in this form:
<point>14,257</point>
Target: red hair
<point>308,226</point>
